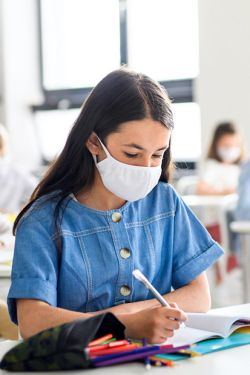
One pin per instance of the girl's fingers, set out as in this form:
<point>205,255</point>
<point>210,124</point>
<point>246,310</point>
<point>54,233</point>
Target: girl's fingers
<point>169,333</point>
<point>172,324</point>
<point>174,305</point>
<point>175,314</point>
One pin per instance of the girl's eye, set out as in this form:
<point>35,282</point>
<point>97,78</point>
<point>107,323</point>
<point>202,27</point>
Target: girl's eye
<point>130,155</point>
<point>136,155</point>
<point>157,156</point>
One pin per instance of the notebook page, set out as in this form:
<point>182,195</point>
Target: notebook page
<point>222,325</point>
<point>235,310</point>
<point>185,335</point>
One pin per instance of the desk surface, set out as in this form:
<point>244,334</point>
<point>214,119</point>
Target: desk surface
<point>240,227</point>
<point>6,256</point>
<point>5,266</point>
<point>5,271</point>
<point>210,200</point>
<point>226,362</point>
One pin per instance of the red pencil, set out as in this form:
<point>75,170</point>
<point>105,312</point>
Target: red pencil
<point>113,344</point>
<point>112,350</point>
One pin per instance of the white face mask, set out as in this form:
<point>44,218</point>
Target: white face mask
<point>126,181</point>
<point>229,154</point>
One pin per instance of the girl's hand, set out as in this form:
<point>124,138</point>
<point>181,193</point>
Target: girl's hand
<point>155,324</point>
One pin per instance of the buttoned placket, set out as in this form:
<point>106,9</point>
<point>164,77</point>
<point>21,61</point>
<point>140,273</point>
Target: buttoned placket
<point>124,255</point>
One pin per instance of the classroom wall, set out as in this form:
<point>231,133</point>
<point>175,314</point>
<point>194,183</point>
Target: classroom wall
<point>20,81</point>
<point>223,87</point>
<point>1,65</point>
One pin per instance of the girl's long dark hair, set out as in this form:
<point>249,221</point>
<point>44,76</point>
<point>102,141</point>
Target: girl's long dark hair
<point>121,96</point>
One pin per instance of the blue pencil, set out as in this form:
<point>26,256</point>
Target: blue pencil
<point>147,362</point>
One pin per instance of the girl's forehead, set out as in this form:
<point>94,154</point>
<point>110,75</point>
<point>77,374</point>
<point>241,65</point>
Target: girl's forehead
<point>147,133</point>
<point>229,138</point>
<point>143,127</point>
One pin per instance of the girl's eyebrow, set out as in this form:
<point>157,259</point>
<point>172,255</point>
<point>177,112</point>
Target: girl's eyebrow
<point>134,145</point>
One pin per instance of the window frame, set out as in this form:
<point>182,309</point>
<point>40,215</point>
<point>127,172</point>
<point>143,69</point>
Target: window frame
<point>180,91</point>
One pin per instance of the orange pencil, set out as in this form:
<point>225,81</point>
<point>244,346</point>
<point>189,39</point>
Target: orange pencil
<point>100,340</point>
<point>167,362</point>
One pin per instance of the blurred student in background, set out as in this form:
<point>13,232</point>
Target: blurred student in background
<point>16,186</point>
<point>220,172</point>
<point>219,175</point>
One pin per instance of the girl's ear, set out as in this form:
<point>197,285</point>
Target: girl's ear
<point>93,144</point>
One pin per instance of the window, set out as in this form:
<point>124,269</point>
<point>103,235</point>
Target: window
<point>163,38</point>
<point>82,40</point>
<point>76,33</point>
<point>52,130</point>
<point>53,127</point>
<point>186,139</point>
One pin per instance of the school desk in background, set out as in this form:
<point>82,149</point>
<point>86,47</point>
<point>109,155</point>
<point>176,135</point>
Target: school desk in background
<point>6,243</point>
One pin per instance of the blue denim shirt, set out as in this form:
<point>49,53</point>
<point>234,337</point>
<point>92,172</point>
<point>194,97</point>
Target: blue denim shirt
<point>243,206</point>
<point>158,235</point>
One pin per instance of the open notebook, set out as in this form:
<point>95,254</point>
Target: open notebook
<point>216,323</point>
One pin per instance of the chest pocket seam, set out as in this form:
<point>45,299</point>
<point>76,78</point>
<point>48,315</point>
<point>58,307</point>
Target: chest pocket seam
<point>151,247</point>
<point>88,271</point>
<point>150,220</point>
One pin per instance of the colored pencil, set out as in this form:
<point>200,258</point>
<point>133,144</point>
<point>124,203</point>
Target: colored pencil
<point>146,359</point>
<point>166,362</point>
<point>101,340</point>
<point>109,345</point>
<point>133,355</point>
<point>112,350</point>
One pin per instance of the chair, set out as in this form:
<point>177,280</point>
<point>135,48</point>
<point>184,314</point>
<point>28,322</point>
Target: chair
<point>8,330</point>
<point>243,229</point>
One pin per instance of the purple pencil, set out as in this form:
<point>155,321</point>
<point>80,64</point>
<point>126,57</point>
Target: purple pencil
<point>134,356</point>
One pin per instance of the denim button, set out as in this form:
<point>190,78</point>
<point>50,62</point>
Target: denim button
<point>116,217</point>
<point>125,253</point>
<point>125,290</point>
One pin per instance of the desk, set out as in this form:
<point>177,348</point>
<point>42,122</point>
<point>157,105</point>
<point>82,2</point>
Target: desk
<point>6,255</point>
<point>226,362</point>
<point>220,203</point>
<point>243,229</point>
<point>4,287</point>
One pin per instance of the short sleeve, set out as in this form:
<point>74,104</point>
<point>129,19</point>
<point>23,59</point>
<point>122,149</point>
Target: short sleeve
<point>34,271</point>
<point>194,249</point>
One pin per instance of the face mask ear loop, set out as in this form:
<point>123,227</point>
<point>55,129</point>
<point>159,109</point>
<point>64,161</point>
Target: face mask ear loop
<point>104,148</point>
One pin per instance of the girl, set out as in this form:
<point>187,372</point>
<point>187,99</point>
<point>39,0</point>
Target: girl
<point>220,173</point>
<point>105,208</point>
<point>219,176</point>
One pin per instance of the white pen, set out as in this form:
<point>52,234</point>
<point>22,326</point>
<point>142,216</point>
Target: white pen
<point>139,276</point>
